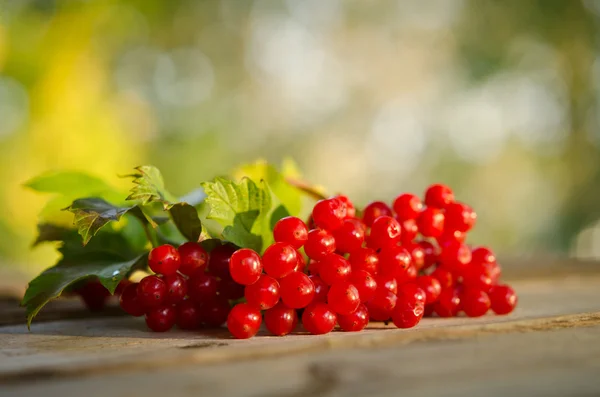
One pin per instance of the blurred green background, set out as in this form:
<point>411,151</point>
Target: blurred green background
<point>371,98</point>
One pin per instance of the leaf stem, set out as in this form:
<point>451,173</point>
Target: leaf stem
<point>306,188</point>
<point>151,236</point>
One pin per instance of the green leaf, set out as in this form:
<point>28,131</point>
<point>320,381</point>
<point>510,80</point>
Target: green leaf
<point>70,183</point>
<point>50,232</point>
<point>187,221</point>
<point>150,187</point>
<point>108,267</point>
<point>91,214</point>
<point>241,208</point>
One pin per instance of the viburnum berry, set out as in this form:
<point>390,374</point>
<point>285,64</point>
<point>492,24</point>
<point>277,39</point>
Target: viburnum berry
<point>417,254</point>
<point>374,210</point>
<point>291,230</point>
<point>264,293</point>
<point>408,275</point>
<point>503,299</point>
<point>365,259</point>
<point>431,286</point>
<point>329,214</point>
<point>297,290</point>
<point>407,313</point>
<point>407,206</point>
<point>321,289</point>
<point>244,321</point>
<point>409,231</point>
<point>438,196</point>
<point>412,291</point>
<point>355,321</point>
<point>385,231</point>
<point>343,298</point>
<point>164,260</point>
<point>448,303</point>
<point>229,289</point>
<point>387,281</point>
<point>350,236</point>
<point>474,302</point>
<point>450,236</point>
<point>122,285</point>
<point>301,264</point>
<point>334,268</point>
<point>381,305</point>
<point>320,243</point>
<point>431,254</point>
<point>214,312</point>
<point>161,318</point>
<point>482,255</point>
<point>455,257</point>
<point>394,260</point>
<point>192,257</point>
<point>477,276</point>
<point>318,318</point>
<point>188,315</point>
<point>218,263</point>
<point>245,266</point>
<point>444,276</point>
<point>130,302</point>
<point>459,216</point>
<point>279,260</point>
<point>94,295</point>
<point>313,267</point>
<point>280,320</point>
<point>202,287</point>
<point>152,291</point>
<point>365,284</point>
<point>431,222</point>
<point>176,288</point>
<point>350,209</point>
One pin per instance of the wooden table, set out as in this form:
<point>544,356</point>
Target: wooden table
<point>550,346</point>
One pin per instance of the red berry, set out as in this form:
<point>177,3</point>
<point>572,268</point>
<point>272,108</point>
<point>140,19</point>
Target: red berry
<point>355,321</point>
<point>297,290</point>
<point>444,276</point>
<point>176,288</point>
<point>431,286</point>
<point>313,267</point>
<point>318,318</point>
<point>164,260</point>
<point>329,214</point>
<point>152,292</point>
<point>408,276</point>
<point>394,260</point>
<point>161,318</point>
<point>503,299</point>
<point>246,267</point>
<point>280,259</point>
<point>192,257</point>
<point>218,263</point>
<point>365,259</point>
<point>291,230</point>
<point>409,231</point>
<point>188,315</point>
<point>343,298</point>
<point>301,264</point>
<point>438,196</point>
<point>202,287</point>
<point>431,254</point>
<point>474,302</point>
<point>122,285</point>
<point>407,206</point>
<point>321,289</point>
<point>412,291</point>
<point>350,210</point>
<point>364,283</point>
<point>229,289</point>
<point>214,311</point>
<point>388,282</point>
<point>374,210</point>
<point>280,320</point>
<point>448,303</point>
<point>460,217</point>
<point>334,268</point>
<point>264,293</point>
<point>319,244</point>
<point>449,236</point>
<point>244,321</point>
<point>350,236</point>
<point>94,295</point>
<point>381,306</point>
<point>431,222</point>
<point>477,276</point>
<point>130,302</point>
<point>455,257</point>
<point>482,255</point>
<point>417,254</point>
<point>385,231</point>
<point>407,313</point>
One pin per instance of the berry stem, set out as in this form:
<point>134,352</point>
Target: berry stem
<point>150,235</point>
<point>306,188</point>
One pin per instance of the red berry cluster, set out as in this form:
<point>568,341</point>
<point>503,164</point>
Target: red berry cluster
<point>397,264</point>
